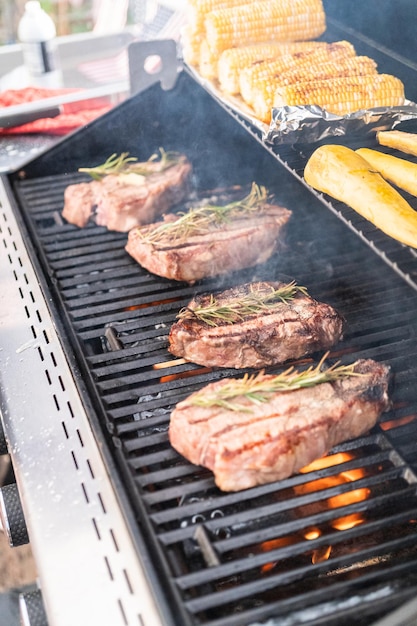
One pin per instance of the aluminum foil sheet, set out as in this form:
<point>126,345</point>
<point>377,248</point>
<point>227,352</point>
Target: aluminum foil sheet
<point>309,124</point>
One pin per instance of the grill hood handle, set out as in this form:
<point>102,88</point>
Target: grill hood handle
<point>151,62</point>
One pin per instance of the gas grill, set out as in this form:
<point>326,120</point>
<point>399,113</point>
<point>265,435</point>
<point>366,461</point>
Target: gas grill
<point>126,531</point>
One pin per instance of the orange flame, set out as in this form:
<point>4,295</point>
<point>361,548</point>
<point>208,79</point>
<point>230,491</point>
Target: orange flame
<point>345,522</point>
<point>321,554</point>
<point>272,544</point>
<point>343,499</point>
<point>398,422</point>
<point>174,363</point>
<point>145,305</point>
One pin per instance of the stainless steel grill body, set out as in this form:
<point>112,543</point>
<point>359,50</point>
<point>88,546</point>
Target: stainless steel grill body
<point>88,568</point>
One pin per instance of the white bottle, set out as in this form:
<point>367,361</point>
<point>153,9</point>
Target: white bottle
<point>37,33</point>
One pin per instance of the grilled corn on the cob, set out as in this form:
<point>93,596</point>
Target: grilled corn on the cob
<point>193,33</point>
<point>345,94</point>
<point>261,79</point>
<point>234,60</point>
<point>277,20</point>
<point>258,76</point>
<point>198,9</point>
<point>191,45</point>
<point>263,95</point>
<point>352,66</point>
<point>208,61</point>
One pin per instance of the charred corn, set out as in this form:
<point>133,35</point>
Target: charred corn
<point>353,66</point>
<point>264,75</point>
<point>343,95</point>
<point>234,60</point>
<point>207,61</point>
<point>198,9</point>
<point>264,95</point>
<point>274,20</point>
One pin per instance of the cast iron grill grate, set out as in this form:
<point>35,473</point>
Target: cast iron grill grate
<point>321,542</point>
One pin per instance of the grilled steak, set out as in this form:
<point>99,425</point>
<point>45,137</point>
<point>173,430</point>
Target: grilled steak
<point>122,201</point>
<point>254,325</point>
<point>245,239</point>
<point>79,202</point>
<point>247,443</point>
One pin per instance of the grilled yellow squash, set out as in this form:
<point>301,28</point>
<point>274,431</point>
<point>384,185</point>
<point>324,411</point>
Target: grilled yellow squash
<point>345,175</point>
<point>398,139</point>
<point>400,172</point>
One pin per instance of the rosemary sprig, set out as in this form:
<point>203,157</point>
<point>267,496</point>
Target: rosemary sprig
<point>125,164</point>
<point>200,219</point>
<point>251,303</point>
<point>257,388</point>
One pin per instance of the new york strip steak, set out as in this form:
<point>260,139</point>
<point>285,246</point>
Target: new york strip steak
<point>241,242</point>
<point>254,325</point>
<point>122,201</point>
<point>247,443</point>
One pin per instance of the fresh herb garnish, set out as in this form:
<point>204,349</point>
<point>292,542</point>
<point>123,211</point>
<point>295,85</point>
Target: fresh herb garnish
<point>255,301</point>
<point>200,219</point>
<point>257,388</point>
<point>125,164</point>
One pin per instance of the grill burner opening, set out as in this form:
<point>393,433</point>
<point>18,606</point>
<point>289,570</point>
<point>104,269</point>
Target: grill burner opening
<point>332,517</point>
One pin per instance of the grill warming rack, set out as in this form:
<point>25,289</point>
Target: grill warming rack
<point>317,546</point>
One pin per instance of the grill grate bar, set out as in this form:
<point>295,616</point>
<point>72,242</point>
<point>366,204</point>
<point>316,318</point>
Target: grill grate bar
<point>263,585</point>
<point>197,579</point>
<point>80,260</point>
<point>106,313</point>
<point>377,443</point>
<point>115,393</point>
<point>70,247</point>
<point>375,590</point>
<point>107,274</point>
<point>280,525</point>
<point>153,386</point>
<point>303,482</point>
<point>120,363</point>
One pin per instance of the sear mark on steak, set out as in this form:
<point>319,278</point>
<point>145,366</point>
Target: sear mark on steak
<point>240,243</point>
<point>267,441</point>
<point>121,202</point>
<point>288,330</point>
